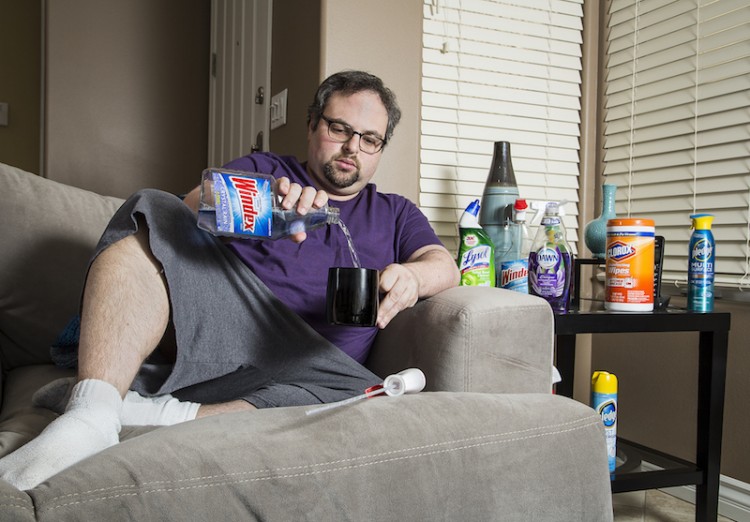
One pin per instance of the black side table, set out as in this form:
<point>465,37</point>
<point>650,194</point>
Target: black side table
<point>713,329</point>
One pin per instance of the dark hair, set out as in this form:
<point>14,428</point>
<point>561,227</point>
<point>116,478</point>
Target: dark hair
<point>352,82</point>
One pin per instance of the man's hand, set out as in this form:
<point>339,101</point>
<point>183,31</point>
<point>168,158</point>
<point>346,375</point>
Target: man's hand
<point>429,270</point>
<point>401,289</point>
<point>302,199</point>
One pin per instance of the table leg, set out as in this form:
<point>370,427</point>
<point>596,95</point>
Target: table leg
<point>565,361</point>
<point>711,383</point>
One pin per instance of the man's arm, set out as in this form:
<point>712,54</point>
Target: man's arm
<point>429,270</point>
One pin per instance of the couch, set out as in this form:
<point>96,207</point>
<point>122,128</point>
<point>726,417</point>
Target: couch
<point>486,440</point>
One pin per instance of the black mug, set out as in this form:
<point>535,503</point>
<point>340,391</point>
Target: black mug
<point>352,296</point>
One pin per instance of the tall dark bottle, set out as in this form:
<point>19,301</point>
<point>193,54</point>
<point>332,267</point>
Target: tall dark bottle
<point>500,193</point>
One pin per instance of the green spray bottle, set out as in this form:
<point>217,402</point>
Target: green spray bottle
<point>476,252</point>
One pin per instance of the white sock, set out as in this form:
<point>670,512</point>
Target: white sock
<point>163,410</point>
<point>54,395</point>
<point>137,410</point>
<point>90,424</point>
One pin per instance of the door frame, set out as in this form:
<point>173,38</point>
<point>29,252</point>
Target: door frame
<point>240,66</point>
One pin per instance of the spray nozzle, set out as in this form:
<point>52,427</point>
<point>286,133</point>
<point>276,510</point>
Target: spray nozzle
<point>519,207</point>
<point>473,208</point>
<point>702,221</point>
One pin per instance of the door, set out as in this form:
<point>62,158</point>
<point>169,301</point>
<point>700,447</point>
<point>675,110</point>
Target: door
<point>240,80</point>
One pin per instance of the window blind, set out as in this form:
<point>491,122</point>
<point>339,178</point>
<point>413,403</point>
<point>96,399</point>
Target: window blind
<point>499,71</point>
<point>677,123</point>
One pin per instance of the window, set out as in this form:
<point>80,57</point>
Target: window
<point>677,123</point>
<point>499,71</point>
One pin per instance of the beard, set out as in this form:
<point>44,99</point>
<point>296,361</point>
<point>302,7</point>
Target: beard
<point>340,179</point>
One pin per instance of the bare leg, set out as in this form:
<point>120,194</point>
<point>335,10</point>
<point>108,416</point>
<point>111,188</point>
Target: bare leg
<point>111,348</point>
<point>207,410</point>
<point>125,312</point>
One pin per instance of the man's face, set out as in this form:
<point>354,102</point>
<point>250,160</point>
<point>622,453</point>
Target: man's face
<point>342,169</point>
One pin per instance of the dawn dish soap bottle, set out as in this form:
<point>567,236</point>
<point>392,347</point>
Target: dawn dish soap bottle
<point>476,256</point>
<point>701,265</point>
<point>245,205</point>
<point>551,261</point>
<point>514,273</point>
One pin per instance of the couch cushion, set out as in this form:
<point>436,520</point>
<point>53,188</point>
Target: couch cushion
<point>19,420</point>
<point>430,456</point>
<point>49,231</point>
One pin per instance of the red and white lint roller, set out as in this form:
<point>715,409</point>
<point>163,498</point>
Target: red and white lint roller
<point>411,380</point>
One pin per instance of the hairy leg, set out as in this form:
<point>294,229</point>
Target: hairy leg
<point>207,410</point>
<point>125,313</point>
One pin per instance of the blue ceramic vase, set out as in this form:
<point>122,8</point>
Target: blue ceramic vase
<point>595,232</point>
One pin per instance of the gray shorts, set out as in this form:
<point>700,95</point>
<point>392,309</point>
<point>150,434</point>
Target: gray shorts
<point>234,338</point>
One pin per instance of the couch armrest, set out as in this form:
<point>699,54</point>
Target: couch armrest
<point>472,339</point>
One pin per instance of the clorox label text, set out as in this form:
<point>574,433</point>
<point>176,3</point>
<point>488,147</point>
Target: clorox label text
<point>620,251</point>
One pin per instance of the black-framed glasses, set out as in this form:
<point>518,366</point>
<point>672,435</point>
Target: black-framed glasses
<point>369,142</point>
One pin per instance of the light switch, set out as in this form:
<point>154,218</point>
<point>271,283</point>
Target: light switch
<point>3,114</point>
<point>278,109</point>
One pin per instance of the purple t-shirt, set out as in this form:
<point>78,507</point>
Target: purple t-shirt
<point>385,229</point>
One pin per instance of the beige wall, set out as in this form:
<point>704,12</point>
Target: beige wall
<point>20,79</point>
<point>383,38</point>
<point>295,66</point>
<point>127,94</point>
<point>332,35</point>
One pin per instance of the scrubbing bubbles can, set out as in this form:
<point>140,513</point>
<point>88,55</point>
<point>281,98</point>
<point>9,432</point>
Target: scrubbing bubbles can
<point>701,264</point>
<point>604,401</point>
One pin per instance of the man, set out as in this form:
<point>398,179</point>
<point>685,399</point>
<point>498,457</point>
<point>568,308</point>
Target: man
<point>228,305</point>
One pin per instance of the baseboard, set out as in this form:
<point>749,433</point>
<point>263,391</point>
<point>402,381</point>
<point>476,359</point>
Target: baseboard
<point>734,496</point>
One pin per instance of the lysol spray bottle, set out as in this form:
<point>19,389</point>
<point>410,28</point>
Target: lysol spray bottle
<point>551,261</point>
<point>604,401</point>
<point>476,256</point>
<point>701,265</point>
<point>500,192</point>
